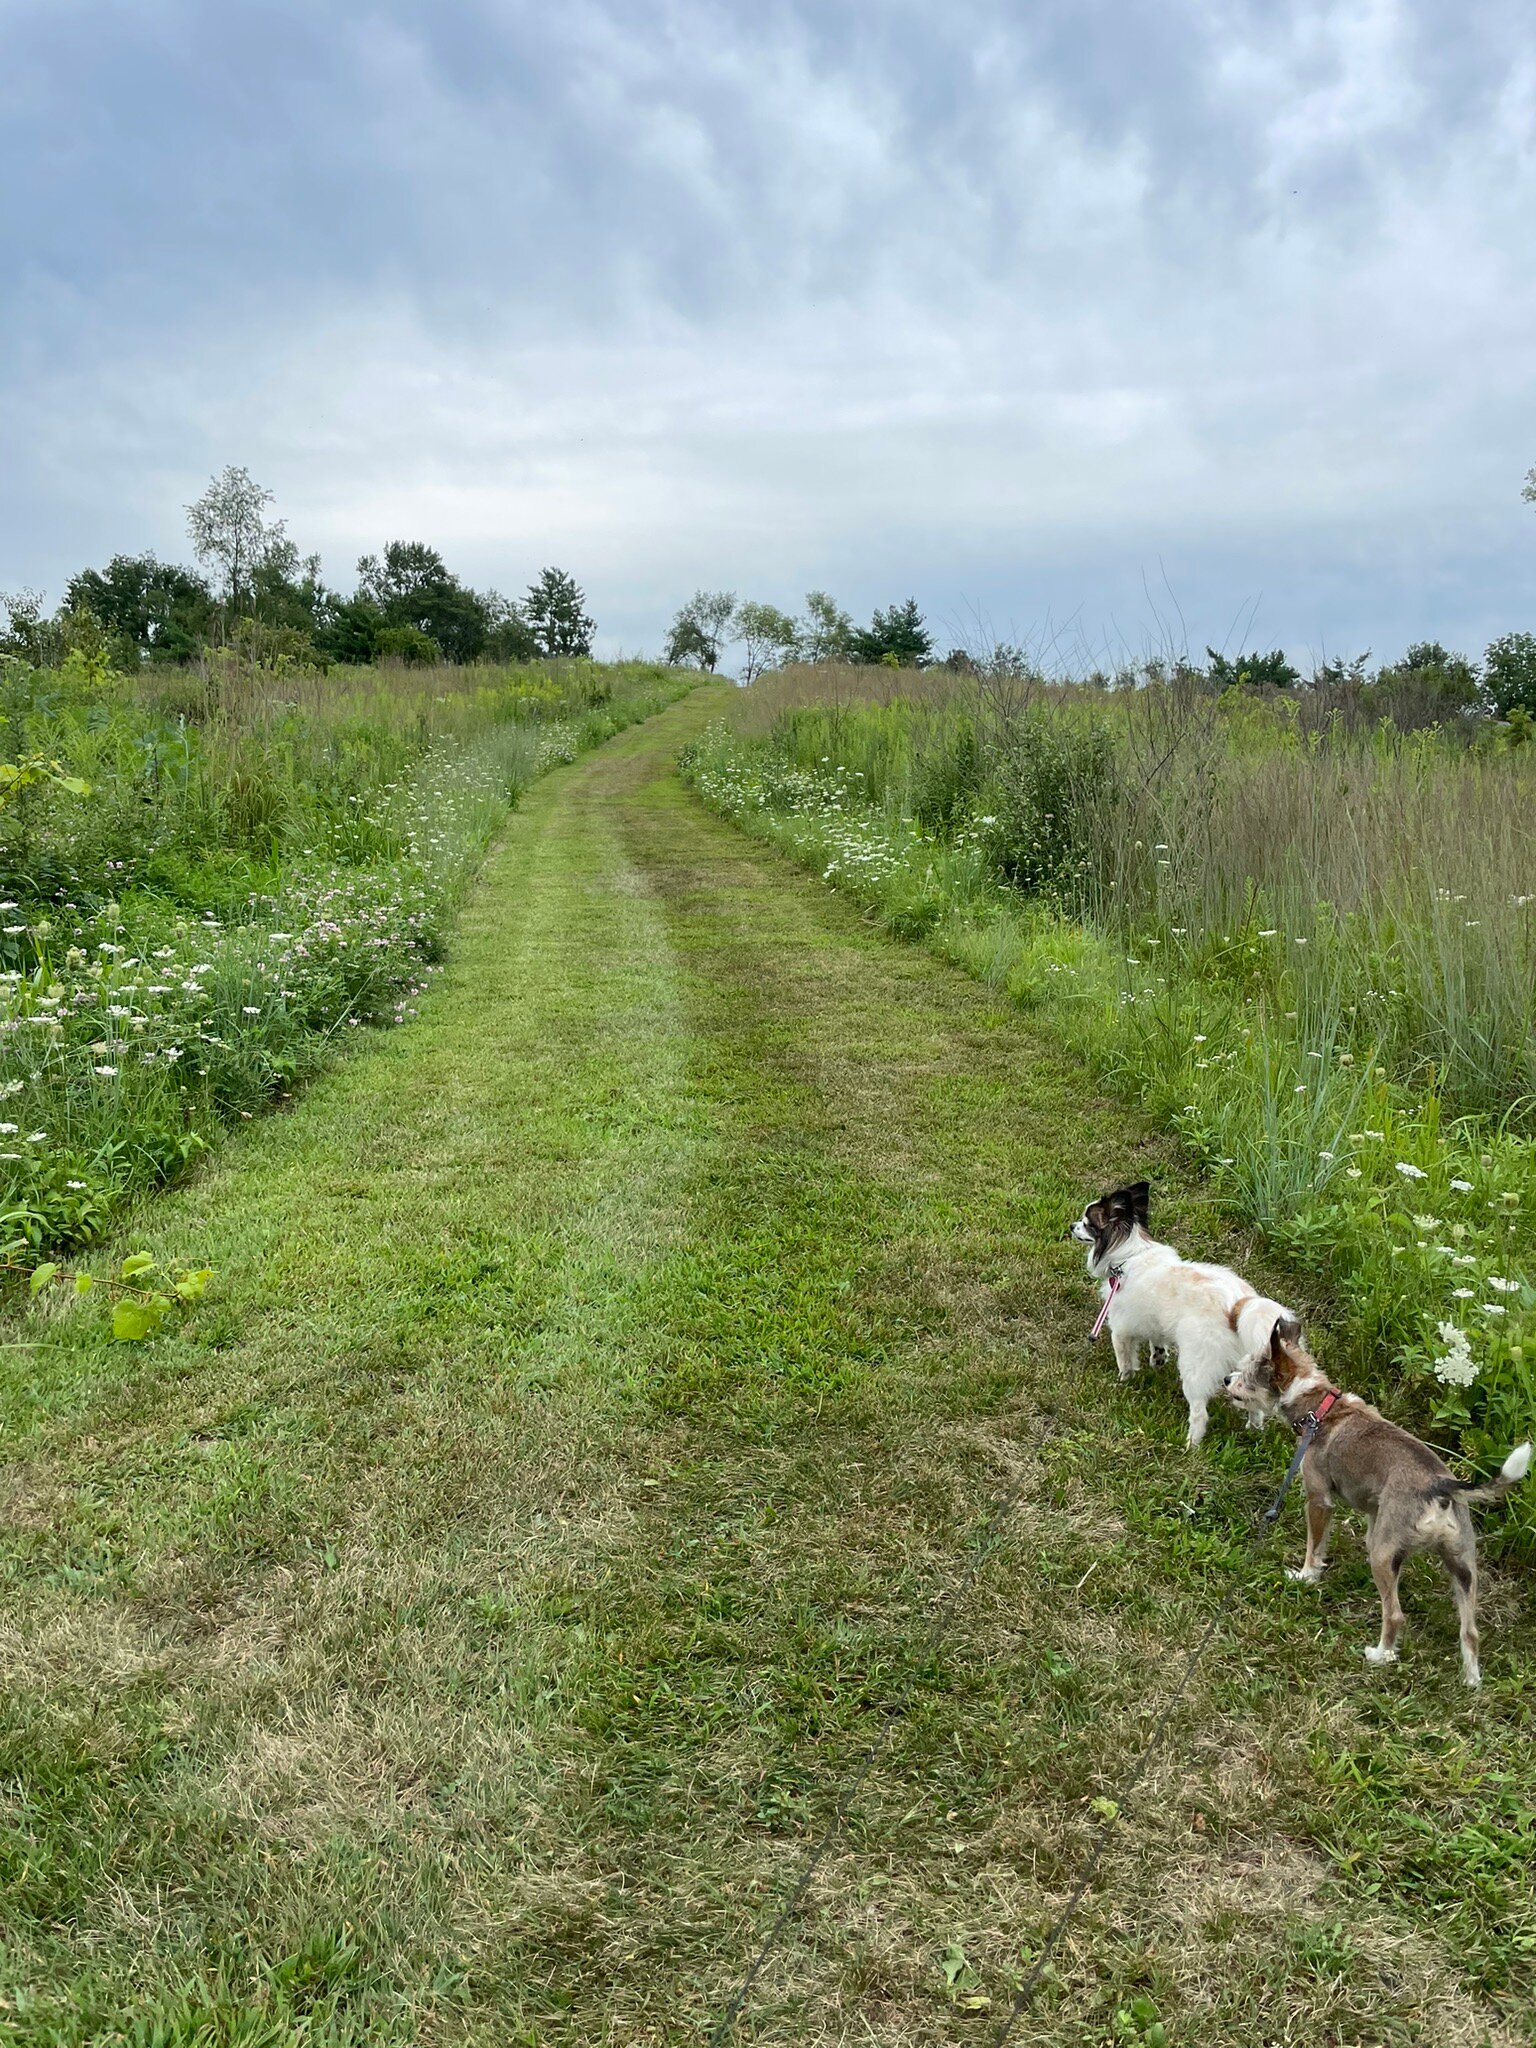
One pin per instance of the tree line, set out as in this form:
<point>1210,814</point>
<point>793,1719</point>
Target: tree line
<point>253,590</point>
<point>713,620</point>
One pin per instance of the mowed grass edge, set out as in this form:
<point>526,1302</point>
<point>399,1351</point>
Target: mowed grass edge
<point>458,1632</point>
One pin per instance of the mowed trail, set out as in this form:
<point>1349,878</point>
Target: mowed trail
<point>461,1631</point>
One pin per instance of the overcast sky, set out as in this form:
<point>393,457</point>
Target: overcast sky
<point>1084,321</point>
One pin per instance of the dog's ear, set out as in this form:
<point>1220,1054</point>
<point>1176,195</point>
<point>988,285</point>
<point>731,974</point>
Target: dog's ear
<point>1139,1194</point>
<point>1287,1331</point>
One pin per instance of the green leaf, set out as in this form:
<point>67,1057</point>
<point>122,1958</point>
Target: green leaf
<point>137,1263</point>
<point>1106,1809</point>
<point>41,1276</point>
<point>192,1285</point>
<point>133,1321</point>
<point>83,1283</point>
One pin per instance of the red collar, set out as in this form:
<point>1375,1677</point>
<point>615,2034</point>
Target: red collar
<point>1314,1416</point>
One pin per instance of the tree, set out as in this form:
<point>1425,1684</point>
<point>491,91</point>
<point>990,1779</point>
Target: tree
<point>897,637</point>
<point>347,629</point>
<point>1252,671</point>
<point>411,586</point>
<point>1509,674</point>
<point>827,633</point>
<point>555,609</point>
<point>508,635</point>
<point>701,628</point>
<point>768,636</point>
<point>556,615</point>
<point>1528,488</point>
<point>148,609</point>
<point>230,529</point>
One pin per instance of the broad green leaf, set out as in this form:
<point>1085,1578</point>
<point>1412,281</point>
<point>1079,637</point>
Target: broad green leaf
<point>191,1286</point>
<point>83,1283</point>
<point>41,1276</point>
<point>137,1263</point>
<point>133,1321</point>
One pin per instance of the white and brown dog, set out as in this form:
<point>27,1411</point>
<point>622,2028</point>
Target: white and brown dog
<point>1208,1316</point>
<point>1410,1497</point>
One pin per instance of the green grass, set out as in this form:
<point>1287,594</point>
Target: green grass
<point>1422,1221</point>
<point>458,1630</point>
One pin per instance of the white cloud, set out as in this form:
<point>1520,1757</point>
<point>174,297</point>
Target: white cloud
<point>994,312</point>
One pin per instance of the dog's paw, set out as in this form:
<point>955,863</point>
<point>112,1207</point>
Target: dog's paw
<point>1377,1655</point>
<point>1305,1574</point>
<point>1472,1677</point>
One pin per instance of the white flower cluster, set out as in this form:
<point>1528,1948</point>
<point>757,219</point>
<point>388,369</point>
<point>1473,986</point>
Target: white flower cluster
<point>1456,1366</point>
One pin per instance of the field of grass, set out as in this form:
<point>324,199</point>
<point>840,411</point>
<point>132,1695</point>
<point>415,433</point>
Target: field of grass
<point>1309,949</point>
<point>458,1629</point>
<point>207,879</point>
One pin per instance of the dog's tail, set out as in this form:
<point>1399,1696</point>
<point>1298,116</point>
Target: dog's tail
<point>1510,1473</point>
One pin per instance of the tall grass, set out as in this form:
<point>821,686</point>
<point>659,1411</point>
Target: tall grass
<point>1307,943</point>
<point>260,865</point>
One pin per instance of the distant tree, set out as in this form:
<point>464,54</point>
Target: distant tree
<point>1252,671</point>
<point>347,629</point>
<point>555,609</point>
<point>897,637</point>
<point>1528,488</point>
<point>1509,674</point>
<point>230,530</point>
<point>403,579</point>
<point>508,635</point>
<point>1341,672</point>
<point>768,637</point>
<point>1447,676</point>
<point>701,629</point>
<point>411,586</point>
<point>148,609</point>
<point>827,632</point>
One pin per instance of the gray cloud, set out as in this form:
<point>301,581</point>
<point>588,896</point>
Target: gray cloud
<point>1004,307</point>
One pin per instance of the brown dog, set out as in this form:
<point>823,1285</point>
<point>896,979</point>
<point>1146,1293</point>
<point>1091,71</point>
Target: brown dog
<point>1409,1496</point>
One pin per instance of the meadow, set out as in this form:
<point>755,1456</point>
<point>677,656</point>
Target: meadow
<point>1302,937</point>
<point>211,876</point>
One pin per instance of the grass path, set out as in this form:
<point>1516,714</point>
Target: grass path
<point>460,1630</point>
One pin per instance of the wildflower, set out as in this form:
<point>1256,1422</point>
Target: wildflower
<point>1353,1172</point>
<point>1269,934</point>
<point>1462,1293</point>
<point>1462,1187</point>
<point>1410,1172</point>
<point>1503,1286</point>
<point>77,1185</point>
<point>1464,1259</point>
<point>106,1073</point>
<point>1455,1368</point>
<point>36,1137</point>
<point>1492,1308</point>
<point>1325,1156</point>
<point>1426,1223</point>
<point>9,1130</point>
<point>12,930</point>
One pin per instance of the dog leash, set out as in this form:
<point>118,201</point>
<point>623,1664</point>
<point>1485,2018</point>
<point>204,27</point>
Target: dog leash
<point>1311,1422</point>
<point>1114,1289</point>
